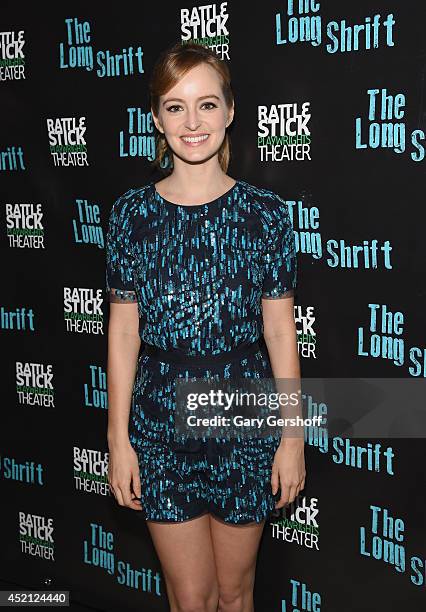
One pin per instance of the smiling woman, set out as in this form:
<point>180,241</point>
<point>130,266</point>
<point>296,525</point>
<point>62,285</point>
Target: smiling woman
<point>199,265</point>
<point>192,104</point>
<point>194,129</point>
<point>195,126</point>
<point>192,126</point>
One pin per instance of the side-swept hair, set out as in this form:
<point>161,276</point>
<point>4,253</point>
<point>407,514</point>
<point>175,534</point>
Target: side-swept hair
<point>172,64</point>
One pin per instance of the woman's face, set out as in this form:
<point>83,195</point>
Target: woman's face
<point>193,115</point>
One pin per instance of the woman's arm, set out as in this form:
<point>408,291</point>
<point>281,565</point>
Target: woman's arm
<point>279,331</point>
<point>123,349</point>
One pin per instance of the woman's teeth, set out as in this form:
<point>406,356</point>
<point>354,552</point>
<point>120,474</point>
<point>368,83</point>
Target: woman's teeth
<point>195,139</point>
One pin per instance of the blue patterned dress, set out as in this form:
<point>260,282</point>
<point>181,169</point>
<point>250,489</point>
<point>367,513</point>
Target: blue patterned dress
<point>197,274</point>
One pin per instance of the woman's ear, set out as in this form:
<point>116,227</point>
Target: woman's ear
<point>157,122</point>
<point>230,116</point>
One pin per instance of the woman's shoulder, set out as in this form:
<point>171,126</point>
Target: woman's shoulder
<point>270,204</point>
<point>130,202</point>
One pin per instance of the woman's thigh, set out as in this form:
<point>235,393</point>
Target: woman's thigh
<point>186,555</point>
<point>235,550</point>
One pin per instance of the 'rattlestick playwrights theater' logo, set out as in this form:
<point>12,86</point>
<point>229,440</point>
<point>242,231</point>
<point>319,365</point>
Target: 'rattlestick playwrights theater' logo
<point>24,226</point>
<point>283,132</point>
<point>67,141</point>
<point>83,310</point>
<point>36,535</point>
<point>207,25</point>
<point>12,58</point>
<point>34,384</point>
<point>91,471</point>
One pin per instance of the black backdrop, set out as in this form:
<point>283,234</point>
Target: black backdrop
<point>361,194</point>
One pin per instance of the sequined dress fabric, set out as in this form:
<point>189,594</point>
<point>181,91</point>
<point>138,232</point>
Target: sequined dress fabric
<point>198,275</point>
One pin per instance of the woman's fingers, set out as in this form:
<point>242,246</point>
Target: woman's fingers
<point>284,495</point>
<point>136,483</point>
<point>289,492</point>
<point>125,489</point>
<point>274,479</point>
<point>123,495</point>
<point>127,497</point>
<point>118,495</point>
<point>292,494</point>
<point>132,489</point>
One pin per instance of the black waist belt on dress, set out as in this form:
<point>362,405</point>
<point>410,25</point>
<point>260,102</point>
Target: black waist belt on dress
<point>177,356</point>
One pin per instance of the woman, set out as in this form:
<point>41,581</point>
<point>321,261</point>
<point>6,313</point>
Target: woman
<point>198,266</point>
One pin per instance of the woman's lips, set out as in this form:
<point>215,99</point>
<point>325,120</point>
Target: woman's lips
<point>197,142</point>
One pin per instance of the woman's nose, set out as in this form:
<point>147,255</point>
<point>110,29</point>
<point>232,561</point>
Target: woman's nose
<point>192,120</point>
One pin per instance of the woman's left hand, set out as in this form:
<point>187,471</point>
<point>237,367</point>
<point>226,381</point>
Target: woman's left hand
<point>288,470</point>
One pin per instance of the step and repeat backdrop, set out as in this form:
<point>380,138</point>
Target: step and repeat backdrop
<point>330,114</point>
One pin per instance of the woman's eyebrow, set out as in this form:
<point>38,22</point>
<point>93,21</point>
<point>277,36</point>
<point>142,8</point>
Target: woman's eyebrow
<point>200,98</point>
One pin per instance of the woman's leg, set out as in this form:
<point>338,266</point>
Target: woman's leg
<point>235,549</point>
<point>186,555</point>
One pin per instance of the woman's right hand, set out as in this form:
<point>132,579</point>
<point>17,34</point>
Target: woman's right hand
<point>123,475</point>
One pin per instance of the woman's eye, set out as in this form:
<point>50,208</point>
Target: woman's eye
<point>211,104</point>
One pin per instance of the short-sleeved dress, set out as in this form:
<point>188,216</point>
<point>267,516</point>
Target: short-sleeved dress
<point>198,274</point>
